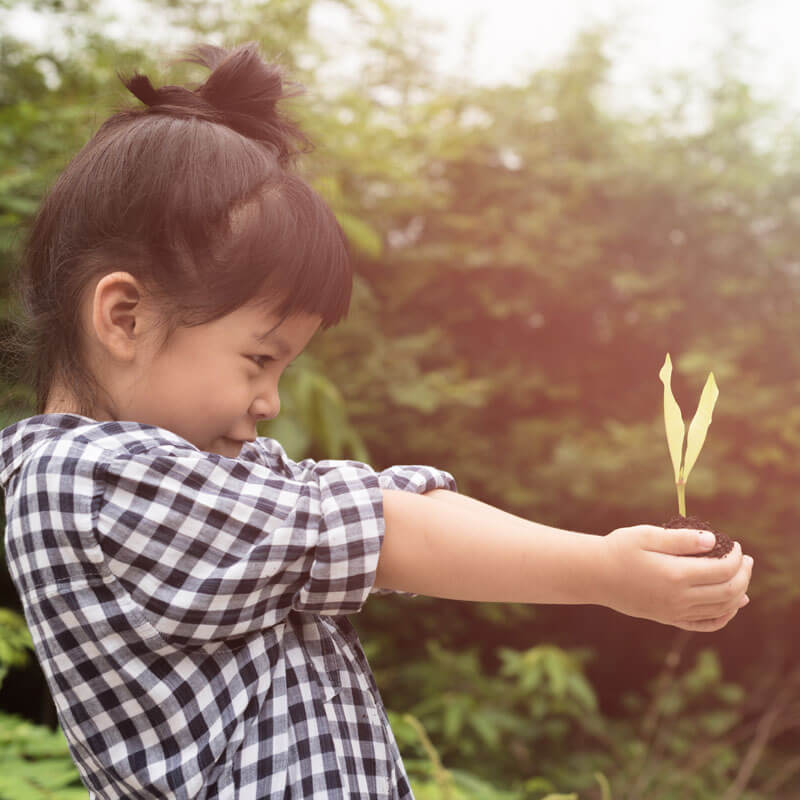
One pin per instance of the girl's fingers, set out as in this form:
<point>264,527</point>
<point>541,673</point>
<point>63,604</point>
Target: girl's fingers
<point>708,625</point>
<point>676,541</point>
<point>685,542</point>
<point>711,571</point>
<point>725,591</point>
<point>715,610</point>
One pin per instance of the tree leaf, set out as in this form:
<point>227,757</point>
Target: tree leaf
<point>561,797</point>
<point>605,786</point>
<point>360,234</point>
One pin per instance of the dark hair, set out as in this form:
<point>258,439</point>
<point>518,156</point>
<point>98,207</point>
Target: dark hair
<point>195,196</point>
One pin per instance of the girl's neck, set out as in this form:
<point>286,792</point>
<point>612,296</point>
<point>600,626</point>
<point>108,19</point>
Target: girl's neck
<point>60,401</point>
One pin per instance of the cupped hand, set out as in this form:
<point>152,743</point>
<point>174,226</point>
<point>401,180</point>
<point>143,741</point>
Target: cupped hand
<point>651,578</point>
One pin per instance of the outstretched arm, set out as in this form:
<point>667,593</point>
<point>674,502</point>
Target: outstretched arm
<point>444,544</point>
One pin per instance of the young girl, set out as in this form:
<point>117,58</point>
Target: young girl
<point>185,582</point>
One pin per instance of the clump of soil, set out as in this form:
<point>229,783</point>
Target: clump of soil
<point>723,546</point>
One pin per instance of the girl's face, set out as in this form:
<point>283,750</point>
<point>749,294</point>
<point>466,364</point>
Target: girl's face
<point>209,383</point>
<point>212,383</point>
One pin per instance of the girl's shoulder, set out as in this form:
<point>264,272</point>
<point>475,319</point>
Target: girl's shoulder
<point>47,439</point>
<point>49,447</point>
<point>25,436</point>
<point>66,442</point>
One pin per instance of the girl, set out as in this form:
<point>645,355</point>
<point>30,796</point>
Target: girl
<point>185,582</point>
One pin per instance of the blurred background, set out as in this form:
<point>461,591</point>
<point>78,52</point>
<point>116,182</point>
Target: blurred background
<point>542,201</point>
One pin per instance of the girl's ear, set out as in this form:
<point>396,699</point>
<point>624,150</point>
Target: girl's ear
<point>118,314</point>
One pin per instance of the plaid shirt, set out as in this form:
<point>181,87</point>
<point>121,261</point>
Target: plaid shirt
<point>188,610</point>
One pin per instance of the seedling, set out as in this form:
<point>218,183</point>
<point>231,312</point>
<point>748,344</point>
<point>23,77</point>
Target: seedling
<point>682,462</point>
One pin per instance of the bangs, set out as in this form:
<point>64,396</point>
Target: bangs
<point>289,241</point>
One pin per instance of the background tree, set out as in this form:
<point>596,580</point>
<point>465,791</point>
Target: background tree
<point>525,257</point>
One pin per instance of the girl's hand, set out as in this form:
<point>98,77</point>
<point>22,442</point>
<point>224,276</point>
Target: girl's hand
<point>649,579</point>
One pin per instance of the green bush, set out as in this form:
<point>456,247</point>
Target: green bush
<point>534,730</point>
<point>35,763</point>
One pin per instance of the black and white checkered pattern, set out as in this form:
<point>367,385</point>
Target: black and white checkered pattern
<point>188,610</point>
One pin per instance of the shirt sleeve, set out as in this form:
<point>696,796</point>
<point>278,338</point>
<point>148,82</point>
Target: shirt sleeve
<point>404,477</point>
<point>413,479</point>
<point>212,548</point>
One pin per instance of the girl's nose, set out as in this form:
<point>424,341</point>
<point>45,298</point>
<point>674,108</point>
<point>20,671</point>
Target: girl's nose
<point>266,405</point>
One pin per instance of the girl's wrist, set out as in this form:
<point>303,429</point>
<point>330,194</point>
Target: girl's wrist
<point>594,577</point>
<point>605,574</point>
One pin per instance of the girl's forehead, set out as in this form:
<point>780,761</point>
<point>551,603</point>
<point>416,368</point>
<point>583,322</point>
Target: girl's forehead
<point>266,324</point>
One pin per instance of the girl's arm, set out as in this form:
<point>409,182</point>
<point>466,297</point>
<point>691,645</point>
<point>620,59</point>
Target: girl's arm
<point>444,544</point>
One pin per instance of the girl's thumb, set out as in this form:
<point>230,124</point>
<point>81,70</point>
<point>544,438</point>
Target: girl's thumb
<point>682,542</point>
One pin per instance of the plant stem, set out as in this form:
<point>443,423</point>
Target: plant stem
<point>649,732</point>
<point>442,776</point>
<point>681,487</point>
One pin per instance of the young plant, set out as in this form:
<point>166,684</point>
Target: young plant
<point>683,462</point>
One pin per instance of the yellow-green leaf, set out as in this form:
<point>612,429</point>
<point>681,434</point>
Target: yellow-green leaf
<point>561,797</point>
<point>605,787</point>
<point>362,237</point>
<point>699,425</point>
<point>673,420</point>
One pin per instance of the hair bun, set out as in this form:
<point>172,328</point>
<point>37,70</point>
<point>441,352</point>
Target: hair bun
<point>242,92</point>
<point>140,86</point>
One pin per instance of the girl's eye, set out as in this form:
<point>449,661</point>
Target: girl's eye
<point>260,361</point>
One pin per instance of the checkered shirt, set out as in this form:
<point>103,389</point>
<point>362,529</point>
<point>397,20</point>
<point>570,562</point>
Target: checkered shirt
<point>188,609</point>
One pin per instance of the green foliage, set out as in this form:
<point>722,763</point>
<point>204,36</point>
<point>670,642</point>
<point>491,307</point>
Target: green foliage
<point>15,641</point>
<point>313,417</point>
<point>538,704</point>
<point>688,736</point>
<point>35,763</point>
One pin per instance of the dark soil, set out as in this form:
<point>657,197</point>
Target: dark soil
<point>724,544</point>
